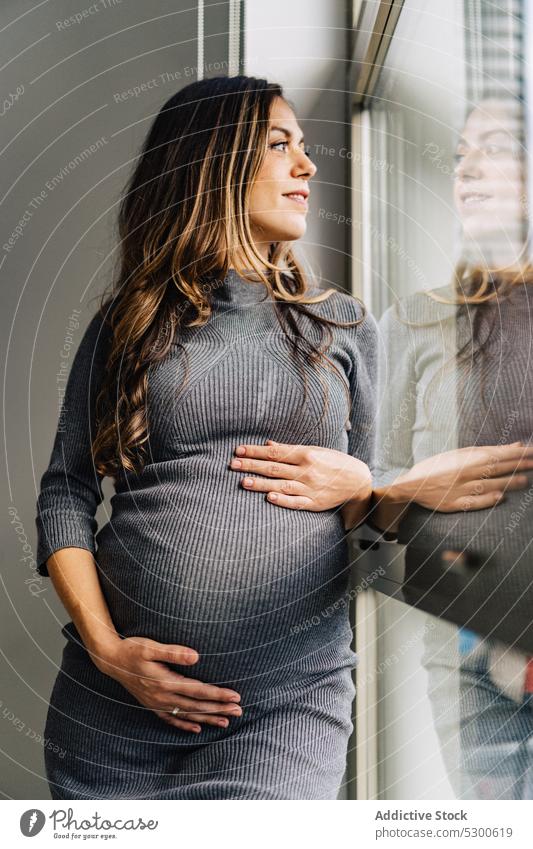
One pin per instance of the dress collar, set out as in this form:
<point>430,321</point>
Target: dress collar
<point>236,290</point>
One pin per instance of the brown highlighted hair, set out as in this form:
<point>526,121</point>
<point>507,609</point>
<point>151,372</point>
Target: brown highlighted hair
<point>182,221</point>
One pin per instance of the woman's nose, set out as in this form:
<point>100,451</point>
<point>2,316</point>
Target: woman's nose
<point>470,164</point>
<point>304,166</point>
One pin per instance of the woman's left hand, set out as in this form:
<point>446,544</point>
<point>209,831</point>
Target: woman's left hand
<point>304,477</point>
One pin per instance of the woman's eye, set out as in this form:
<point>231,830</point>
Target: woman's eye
<point>306,149</point>
<point>497,149</point>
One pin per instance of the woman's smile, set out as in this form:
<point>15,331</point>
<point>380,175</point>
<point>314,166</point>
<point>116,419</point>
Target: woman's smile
<point>300,196</point>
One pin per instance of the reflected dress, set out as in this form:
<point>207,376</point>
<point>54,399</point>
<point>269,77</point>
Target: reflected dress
<point>190,557</point>
<point>479,687</point>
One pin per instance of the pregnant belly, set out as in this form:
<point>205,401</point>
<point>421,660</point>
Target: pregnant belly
<point>259,591</point>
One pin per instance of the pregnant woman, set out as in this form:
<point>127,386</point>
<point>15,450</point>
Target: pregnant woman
<point>190,670</point>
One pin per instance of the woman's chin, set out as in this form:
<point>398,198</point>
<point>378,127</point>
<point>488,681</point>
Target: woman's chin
<point>291,233</point>
<point>493,244</point>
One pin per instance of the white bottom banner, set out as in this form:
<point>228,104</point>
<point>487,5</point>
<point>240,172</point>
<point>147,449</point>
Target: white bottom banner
<point>309,823</point>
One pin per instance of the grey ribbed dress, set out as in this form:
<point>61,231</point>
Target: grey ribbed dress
<point>189,556</point>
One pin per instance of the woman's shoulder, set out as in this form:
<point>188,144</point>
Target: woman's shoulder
<point>98,323</point>
<point>339,304</point>
<point>96,338</point>
<point>360,335</point>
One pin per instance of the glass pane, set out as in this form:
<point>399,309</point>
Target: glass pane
<point>452,289</point>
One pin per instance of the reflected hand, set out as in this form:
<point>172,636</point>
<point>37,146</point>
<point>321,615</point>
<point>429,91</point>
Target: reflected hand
<point>466,478</point>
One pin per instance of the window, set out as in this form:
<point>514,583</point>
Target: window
<point>440,193</point>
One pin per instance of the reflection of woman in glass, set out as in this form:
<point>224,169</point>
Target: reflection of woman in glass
<point>194,667</point>
<point>467,352</point>
<point>491,170</point>
<point>417,420</point>
<point>465,359</point>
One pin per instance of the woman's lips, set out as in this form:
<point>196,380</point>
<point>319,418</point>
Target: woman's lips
<point>297,199</point>
<point>474,198</point>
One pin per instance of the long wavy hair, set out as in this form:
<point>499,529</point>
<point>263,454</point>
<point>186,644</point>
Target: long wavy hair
<point>182,222</point>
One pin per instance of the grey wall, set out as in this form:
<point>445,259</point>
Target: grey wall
<point>69,91</point>
<point>73,81</point>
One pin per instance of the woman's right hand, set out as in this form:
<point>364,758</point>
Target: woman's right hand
<point>140,665</point>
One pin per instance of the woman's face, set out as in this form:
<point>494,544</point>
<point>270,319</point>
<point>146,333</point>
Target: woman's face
<point>489,180</point>
<point>275,216</point>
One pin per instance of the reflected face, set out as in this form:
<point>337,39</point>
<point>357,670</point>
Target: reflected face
<point>279,196</point>
<point>489,179</point>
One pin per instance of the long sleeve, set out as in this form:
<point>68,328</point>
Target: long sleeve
<point>396,399</point>
<point>70,488</point>
<point>357,348</point>
<point>363,390</point>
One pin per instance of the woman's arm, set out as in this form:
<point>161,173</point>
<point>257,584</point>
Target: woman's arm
<point>363,343</point>
<point>70,487</point>
<point>75,579</point>
<point>355,511</point>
